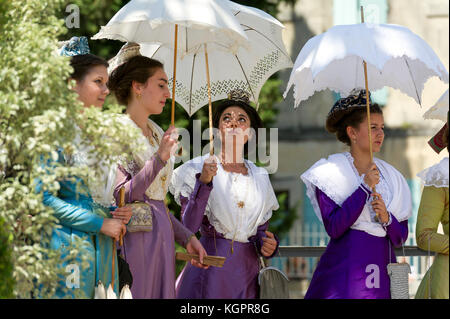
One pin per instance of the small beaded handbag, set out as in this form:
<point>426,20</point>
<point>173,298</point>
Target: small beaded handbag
<point>142,219</point>
<point>399,278</point>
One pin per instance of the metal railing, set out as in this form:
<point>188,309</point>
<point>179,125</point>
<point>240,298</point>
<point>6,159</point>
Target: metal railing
<point>317,251</point>
<point>299,262</point>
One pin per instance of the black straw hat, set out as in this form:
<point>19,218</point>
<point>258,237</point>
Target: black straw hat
<point>343,106</point>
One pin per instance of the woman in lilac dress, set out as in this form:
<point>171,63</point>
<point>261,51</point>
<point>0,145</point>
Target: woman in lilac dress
<point>230,200</point>
<point>363,205</point>
<point>140,83</point>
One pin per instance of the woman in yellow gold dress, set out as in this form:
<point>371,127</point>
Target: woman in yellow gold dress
<point>433,210</point>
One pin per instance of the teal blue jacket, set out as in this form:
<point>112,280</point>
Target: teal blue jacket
<point>79,217</point>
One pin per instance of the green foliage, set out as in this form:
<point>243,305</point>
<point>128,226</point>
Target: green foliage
<point>6,267</point>
<point>39,114</point>
<point>283,219</point>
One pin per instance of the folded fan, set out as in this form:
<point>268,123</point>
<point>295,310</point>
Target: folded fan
<point>215,261</point>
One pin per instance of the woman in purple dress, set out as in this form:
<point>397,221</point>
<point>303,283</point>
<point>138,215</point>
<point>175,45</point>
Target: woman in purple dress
<point>140,83</point>
<point>363,205</point>
<point>230,200</point>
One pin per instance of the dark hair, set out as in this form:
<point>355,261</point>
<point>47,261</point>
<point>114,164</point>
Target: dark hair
<point>83,63</point>
<point>255,119</point>
<point>139,68</point>
<point>353,118</point>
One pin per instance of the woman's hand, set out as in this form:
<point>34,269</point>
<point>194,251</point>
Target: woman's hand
<point>113,228</point>
<point>372,177</point>
<point>168,143</point>
<point>209,170</point>
<point>269,244</point>
<point>380,208</point>
<point>195,247</point>
<point>123,213</point>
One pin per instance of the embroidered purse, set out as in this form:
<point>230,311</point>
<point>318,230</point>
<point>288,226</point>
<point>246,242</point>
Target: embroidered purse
<point>142,219</point>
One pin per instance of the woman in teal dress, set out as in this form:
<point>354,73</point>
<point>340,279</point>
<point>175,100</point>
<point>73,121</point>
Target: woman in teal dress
<point>83,213</point>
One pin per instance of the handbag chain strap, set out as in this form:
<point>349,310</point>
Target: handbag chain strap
<point>390,254</point>
<point>261,261</point>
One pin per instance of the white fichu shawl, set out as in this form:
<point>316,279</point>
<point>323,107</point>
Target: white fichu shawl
<point>436,175</point>
<point>336,177</point>
<point>157,190</point>
<point>222,210</point>
<point>101,189</point>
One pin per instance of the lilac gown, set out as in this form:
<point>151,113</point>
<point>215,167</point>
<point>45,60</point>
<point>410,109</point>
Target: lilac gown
<point>151,255</point>
<point>238,278</point>
<point>346,269</point>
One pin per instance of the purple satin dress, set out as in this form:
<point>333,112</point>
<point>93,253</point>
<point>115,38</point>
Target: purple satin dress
<point>354,265</point>
<point>238,278</point>
<point>151,255</point>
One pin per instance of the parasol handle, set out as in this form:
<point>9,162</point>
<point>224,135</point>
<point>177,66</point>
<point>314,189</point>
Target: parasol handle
<point>172,117</point>
<point>121,204</point>
<point>211,146</point>
<point>113,263</point>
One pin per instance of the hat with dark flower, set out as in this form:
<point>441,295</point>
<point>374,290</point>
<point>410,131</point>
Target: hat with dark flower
<point>239,95</point>
<point>343,106</point>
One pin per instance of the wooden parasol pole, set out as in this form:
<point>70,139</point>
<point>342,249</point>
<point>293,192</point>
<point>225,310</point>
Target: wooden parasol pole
<point>367,97</point>
<point>368,108</point>
<point>121,204</point>
<point>172,119</point>
<point>113,264</point>
<point>211,146</point>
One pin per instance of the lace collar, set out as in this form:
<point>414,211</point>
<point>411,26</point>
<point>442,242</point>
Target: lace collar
<point>436,175</point>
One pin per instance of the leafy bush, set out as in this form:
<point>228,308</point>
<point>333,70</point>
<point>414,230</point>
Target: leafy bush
<point>39,113</point>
